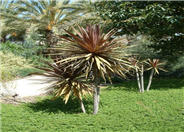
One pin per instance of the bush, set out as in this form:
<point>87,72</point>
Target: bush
<point>28,50</point>
<point>177,67</point>
<point>14,48</point>
<point>141,47</point>
<point>10,65</point>
<point>19,59</point>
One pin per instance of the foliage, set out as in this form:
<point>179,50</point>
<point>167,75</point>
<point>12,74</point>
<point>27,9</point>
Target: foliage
<point>122,109</point>
<point>88,13</point>
<point>10,64</point>
<point>67,81</point>
<point>19,60</point>
<point>92,51</point>
<point>141,47</point>
<point>45,14</point>
<point>156,65</point>
<point>177,67</point>
<point>28,50</point>
<point>15,30</point>
<point>163,21</point>
<point>47,17</point>
<point>179,64</point>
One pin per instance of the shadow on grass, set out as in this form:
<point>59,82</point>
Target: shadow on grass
<point>58,105</point>
<point>157,84</point>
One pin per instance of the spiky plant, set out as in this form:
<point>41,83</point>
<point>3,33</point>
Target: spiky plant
<point>154,65</point>
<point>96,54</point>
<point>139,69</point>
<point>67,82</point>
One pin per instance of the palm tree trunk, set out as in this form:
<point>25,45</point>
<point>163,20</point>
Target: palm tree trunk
<point>150,80</point>
<point>82,106</point>
<point>96,98</point>
<point>142,78</point>
<point>138,80</point>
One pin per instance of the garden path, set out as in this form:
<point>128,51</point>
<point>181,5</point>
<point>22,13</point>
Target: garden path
<point>33,85</point>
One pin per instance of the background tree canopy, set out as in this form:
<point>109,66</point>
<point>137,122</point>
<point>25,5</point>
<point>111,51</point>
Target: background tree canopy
<point>162,21</point>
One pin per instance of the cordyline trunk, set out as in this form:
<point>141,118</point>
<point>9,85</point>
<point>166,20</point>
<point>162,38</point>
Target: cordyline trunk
<point>138,80</point>
<point>150,80</point>
<point>142,78</point>
<point>96,97</point>
<point>82,106</point>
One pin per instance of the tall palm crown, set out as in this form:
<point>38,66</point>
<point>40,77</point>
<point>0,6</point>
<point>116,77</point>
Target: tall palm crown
<point>46,14</point>
<point>8,23</point>
<point>88,12</point>
<point>95,53</point>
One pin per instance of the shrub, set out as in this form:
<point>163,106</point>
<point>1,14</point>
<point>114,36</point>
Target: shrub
<point>10,65</point>
<point>27,50</point>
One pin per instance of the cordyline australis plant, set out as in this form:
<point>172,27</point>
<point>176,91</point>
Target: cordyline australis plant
<point>67,82</point>
<point>96,54</point>
<point>154,65</point>
<point>139,73</point>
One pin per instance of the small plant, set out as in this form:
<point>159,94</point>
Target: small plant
<point>139,70</point>
<point>154,65</point>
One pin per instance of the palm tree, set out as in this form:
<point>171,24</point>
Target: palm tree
<point>88,13</point>
<point>96,55</point>
<point>46,15</point>
<point>10,26</point>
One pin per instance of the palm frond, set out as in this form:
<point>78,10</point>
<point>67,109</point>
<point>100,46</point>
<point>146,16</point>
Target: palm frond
<point>67,81</point>
<point>91,51</point>
<point>156,64</point>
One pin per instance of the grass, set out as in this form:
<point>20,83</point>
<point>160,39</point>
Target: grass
<point>122,109</point>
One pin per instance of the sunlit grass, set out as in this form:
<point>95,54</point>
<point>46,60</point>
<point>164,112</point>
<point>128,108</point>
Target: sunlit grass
<point>122,109</point>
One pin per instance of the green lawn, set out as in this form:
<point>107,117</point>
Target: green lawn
<point>122,109</point>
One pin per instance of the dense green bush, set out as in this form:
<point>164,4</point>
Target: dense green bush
<point>11,65</point>
<point>141,47</point>
<point>28,50</point>
<point>178,67</point>
<point>162,21</point>
<point>20,59</point>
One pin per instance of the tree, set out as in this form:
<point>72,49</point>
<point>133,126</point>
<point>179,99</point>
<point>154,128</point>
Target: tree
<point>96,55</point>
<point>11,27</point>
<point>162,21</point>
<point>88,13</point>
<point>46,15</point>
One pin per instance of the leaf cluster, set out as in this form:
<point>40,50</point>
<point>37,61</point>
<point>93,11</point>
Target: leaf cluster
<point>163,21</point>
<point>95,53</point>
<point>67,81</point>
